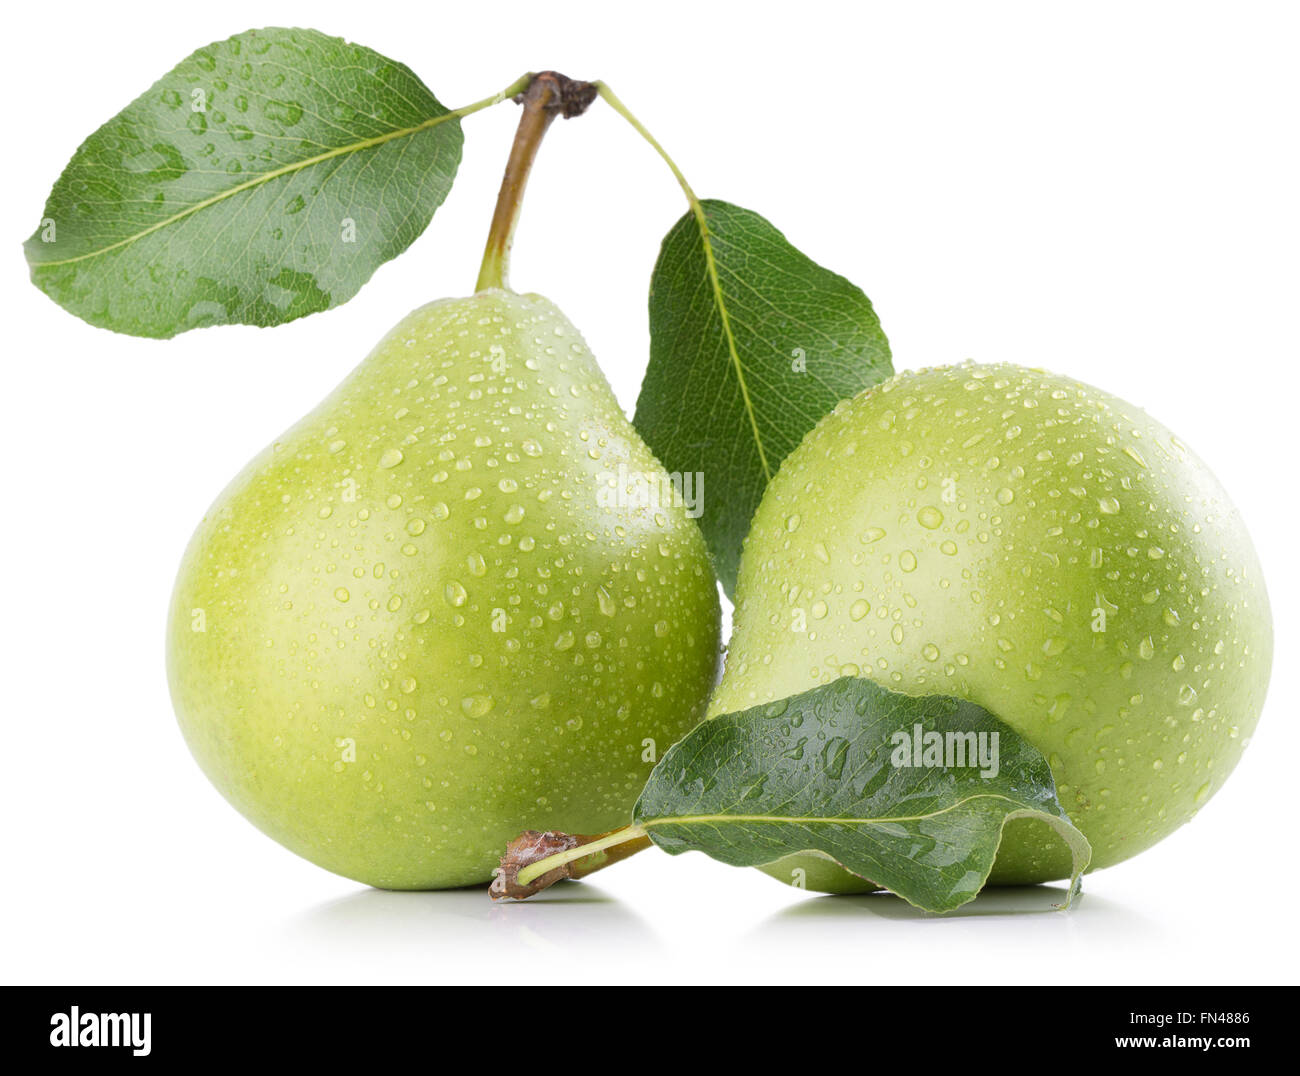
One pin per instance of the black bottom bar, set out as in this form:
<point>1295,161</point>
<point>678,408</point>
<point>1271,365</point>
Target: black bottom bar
<point>164,1024</point>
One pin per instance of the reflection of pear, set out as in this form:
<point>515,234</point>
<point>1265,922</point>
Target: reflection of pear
<point>424,620</point>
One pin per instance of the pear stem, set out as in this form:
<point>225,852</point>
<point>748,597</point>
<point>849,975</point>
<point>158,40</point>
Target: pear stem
<point>535,861</point>
<point>548,94</point>
<point>625,836</point>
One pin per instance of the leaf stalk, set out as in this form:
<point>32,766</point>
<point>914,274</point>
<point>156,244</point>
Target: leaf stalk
<point>706,241</point>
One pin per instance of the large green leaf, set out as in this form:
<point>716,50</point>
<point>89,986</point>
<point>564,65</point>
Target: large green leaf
<point>263,178</point>
<point>824,771</point>
<point>751,343</point>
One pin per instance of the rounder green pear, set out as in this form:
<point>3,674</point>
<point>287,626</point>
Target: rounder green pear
<point>446,606</point>
<point>1038,547</point>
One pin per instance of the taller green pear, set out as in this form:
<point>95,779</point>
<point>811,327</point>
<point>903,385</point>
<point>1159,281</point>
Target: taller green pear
<point>450,604</point>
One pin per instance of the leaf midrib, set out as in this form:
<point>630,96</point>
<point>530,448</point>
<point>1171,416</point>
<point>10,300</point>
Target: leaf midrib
<point>710,819</point>
<point>712,269</point>
<point>265,177</point>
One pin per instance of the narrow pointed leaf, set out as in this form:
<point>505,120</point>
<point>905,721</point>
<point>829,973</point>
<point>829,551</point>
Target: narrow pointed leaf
<point>265,177</point>
<point>744,361</point>
<point>842,770</point>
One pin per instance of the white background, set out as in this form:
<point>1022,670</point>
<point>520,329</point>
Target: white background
<point>1105,189</point>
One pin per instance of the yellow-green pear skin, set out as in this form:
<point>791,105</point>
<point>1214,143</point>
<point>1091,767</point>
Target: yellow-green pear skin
<point>425,619</point>
<point>1038,547</point>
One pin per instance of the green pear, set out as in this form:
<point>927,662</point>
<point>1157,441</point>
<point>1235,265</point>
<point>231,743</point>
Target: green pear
<point>1038,547</point>
<point>450,604</point>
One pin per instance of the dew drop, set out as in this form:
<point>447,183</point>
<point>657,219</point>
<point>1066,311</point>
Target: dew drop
<point>476,705</point>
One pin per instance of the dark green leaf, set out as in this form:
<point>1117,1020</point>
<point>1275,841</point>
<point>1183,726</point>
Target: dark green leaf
<point>265,177</point>
<point>820,772</point>
<point>744,364</point>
